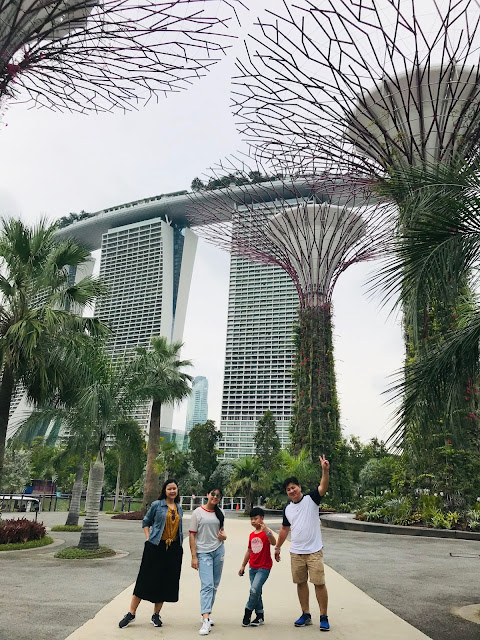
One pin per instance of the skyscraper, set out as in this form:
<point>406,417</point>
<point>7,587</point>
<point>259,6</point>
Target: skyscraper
<point>147,267</point>
<point>261,312</point>
<point>197,407</point>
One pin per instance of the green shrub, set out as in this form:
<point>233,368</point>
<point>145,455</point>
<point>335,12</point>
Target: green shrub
<point>344,507</point>
<point>373,503</point>
<point>428,505</point>
<point>129,515</point>
<point>473,519</point>
<point>439,521</point>
<point>67,527</point>
<point>20,531</point>
<point>275,503</point>
<point>371,516</point>
<point>398,511</point>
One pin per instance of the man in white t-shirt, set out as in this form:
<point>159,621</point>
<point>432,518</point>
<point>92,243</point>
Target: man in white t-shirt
<point>301,518</point>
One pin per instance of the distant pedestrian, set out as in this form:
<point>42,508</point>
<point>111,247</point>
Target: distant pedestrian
<point>259,558</point>
<point>207,537</point>
<point>161,564</point>
<point>300,516</point>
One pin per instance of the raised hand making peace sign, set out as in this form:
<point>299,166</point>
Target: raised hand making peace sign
<point>324,462</point>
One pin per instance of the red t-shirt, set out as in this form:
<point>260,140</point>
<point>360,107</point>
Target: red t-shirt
<point>260,556</point>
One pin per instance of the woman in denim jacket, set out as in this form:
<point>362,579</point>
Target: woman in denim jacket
<point>159,573</point>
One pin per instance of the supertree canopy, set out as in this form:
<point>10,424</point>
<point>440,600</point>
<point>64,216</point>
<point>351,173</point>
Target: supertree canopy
<point>87,55</point>
<point>313,227</point>
<point>384,88</point>
<point>371,83</point>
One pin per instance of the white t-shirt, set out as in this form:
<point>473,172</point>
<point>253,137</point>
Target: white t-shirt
<point>206,525</point>
<point>304,522</point>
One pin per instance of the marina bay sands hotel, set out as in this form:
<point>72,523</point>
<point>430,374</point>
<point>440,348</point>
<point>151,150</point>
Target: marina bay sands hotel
<point>147,259</point>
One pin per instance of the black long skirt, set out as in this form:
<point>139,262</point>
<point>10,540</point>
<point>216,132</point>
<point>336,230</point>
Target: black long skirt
<point>159,574</point>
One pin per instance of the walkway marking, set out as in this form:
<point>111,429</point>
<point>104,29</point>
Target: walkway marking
<point>353,615</point>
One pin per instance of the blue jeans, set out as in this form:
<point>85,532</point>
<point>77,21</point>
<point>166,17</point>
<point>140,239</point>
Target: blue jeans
<point>210,567</point>
<point>258,577</point>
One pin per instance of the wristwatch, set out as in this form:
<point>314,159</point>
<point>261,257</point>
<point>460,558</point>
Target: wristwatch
<point>269,533</point>
<point>277,548</point>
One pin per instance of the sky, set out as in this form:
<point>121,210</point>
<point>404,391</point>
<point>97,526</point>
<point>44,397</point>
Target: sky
<point>52,164</point>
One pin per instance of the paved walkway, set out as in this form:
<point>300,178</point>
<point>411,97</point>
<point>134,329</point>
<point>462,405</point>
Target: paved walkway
<point>353,615</point>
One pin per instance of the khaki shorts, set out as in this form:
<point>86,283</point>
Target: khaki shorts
<point>308,564</point>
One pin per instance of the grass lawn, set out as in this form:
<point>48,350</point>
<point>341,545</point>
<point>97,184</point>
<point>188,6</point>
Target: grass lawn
<point>31,544</point>
<point>73,553</point>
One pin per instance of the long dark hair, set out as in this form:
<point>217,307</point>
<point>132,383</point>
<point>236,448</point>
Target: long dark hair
<point>218,511</point>
<point>163,491</point>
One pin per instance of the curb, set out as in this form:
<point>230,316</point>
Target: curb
<point>349,524</point>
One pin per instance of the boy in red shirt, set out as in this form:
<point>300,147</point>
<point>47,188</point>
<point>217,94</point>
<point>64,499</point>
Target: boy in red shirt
<point>259,557</point>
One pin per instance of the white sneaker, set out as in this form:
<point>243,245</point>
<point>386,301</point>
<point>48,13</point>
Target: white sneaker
<point>211,622</point>
<point>205,628</point>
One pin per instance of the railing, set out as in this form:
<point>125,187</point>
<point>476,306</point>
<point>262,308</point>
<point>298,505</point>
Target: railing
<point>11,502</point>
<point>227,503</point>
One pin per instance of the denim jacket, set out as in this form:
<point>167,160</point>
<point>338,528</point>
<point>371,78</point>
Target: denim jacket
<point>156,517</point>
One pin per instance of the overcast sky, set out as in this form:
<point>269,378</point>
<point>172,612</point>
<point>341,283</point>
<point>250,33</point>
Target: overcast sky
<point>53,164</point>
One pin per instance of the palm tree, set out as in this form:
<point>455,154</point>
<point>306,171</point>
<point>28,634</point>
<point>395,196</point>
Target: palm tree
<point>432,266</point>
<point>159,378</point>
<point>95,409</point>
<point>248,479</point>
<point>36,330</point>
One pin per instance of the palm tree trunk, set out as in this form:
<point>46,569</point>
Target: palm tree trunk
<point>117,486</point>
<point>151,488</point>
<point>74,510</point>
<point>6,392</point>
<point>89,535</point>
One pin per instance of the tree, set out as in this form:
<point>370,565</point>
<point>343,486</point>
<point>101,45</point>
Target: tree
<point>192,482</point>
<point>157,376</point>
<point>171,462</point>
<point>17,472</point>
<point>378,473</point>
<point>203,447</point>
<point>128,451</point>
<point>97,56</point>
<point>36,332</point>
<point>267,442</point>
<point>314,238</point>
<point>197,185</point>
<point>247,480</point>
<point>222,475</point>
<point>43,459</point>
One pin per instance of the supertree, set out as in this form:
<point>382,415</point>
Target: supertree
<point>313,227</point>
<point>363,82</point>
<point>87,55</point>
<point>389,89</point>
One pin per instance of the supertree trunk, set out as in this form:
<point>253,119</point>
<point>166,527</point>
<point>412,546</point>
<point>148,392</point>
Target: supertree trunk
<point>316,419</point>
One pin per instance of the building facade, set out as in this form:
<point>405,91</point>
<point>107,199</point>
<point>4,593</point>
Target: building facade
<point>147,268</point>
<point>262,309</point>
<point>197,406</point>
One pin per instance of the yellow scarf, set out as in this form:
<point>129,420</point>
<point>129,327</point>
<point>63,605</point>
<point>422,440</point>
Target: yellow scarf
<point>171,526</point>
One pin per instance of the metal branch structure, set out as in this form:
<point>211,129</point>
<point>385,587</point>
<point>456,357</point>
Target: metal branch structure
<point>87,55</point>
<point>388,89</point>
<point>313,227</point>
<point>371,84</point>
